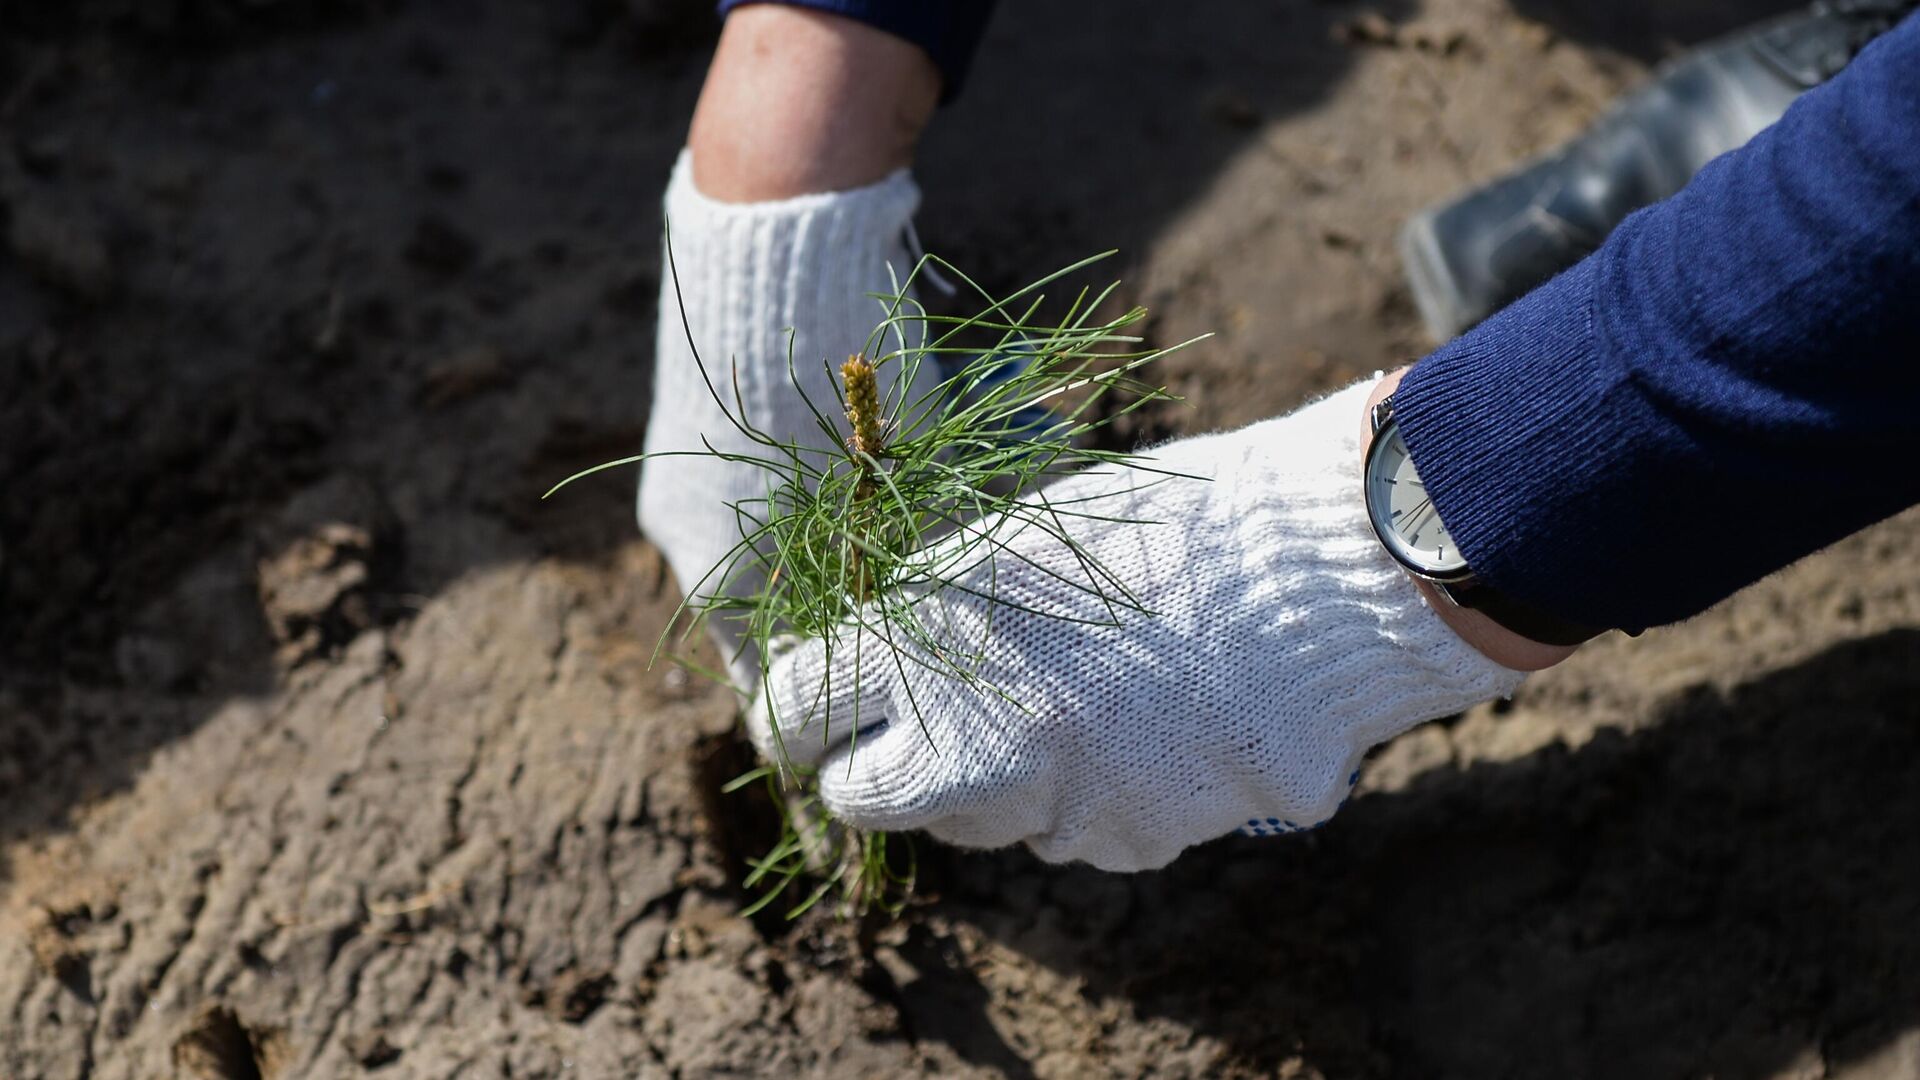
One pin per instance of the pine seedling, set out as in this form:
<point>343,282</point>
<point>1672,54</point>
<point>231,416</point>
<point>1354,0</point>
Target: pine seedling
<point>842,546</point>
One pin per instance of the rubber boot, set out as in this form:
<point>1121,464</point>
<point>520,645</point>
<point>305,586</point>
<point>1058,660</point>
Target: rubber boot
<point>1468,258</point>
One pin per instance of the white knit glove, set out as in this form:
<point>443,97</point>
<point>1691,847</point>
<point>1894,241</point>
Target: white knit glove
<point>751,274</point>
<point>1285,643</point>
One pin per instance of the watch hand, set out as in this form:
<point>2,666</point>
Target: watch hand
<point>1420,508</point>
<point>1423,515</point>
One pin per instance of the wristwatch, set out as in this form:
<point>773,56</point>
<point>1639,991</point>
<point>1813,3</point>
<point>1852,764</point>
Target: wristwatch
<point>1404,518</point>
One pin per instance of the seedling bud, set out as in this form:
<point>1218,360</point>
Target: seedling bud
<point>863,404</point>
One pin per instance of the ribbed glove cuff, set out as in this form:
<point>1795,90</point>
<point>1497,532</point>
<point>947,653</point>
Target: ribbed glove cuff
<point>752,272</point>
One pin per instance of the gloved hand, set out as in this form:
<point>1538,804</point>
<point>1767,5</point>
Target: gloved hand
<point>1284,643</point>
<point>750,275</point>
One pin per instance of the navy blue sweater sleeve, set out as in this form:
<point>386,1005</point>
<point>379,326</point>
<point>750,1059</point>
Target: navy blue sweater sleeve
<point>948,30</point>
<point>1728,384</point>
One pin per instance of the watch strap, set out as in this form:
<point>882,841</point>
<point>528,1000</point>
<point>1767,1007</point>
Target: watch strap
<point>1518,616</point>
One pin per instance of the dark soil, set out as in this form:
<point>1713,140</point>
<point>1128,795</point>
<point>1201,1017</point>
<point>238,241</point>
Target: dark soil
<point>327,749</point>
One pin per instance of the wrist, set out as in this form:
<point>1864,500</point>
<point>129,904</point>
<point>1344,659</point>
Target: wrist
<point>1496,642</point>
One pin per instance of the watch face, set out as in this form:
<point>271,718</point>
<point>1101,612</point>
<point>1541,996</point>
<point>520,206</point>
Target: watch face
<point>1402,513</point>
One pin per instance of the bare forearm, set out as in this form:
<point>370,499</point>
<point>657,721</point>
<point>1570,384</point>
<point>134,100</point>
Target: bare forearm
<point>798,102</point>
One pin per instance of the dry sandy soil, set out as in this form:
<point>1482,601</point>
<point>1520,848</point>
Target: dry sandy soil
<point>326,749</point>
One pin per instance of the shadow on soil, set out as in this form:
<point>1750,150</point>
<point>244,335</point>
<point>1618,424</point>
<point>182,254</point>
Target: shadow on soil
<point>1731,892</point>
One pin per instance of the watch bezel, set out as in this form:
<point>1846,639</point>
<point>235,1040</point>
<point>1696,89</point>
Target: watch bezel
<point>1385,426</point>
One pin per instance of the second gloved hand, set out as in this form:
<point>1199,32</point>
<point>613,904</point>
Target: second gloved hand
<point>1282,644</point>
<point>762,284</point>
